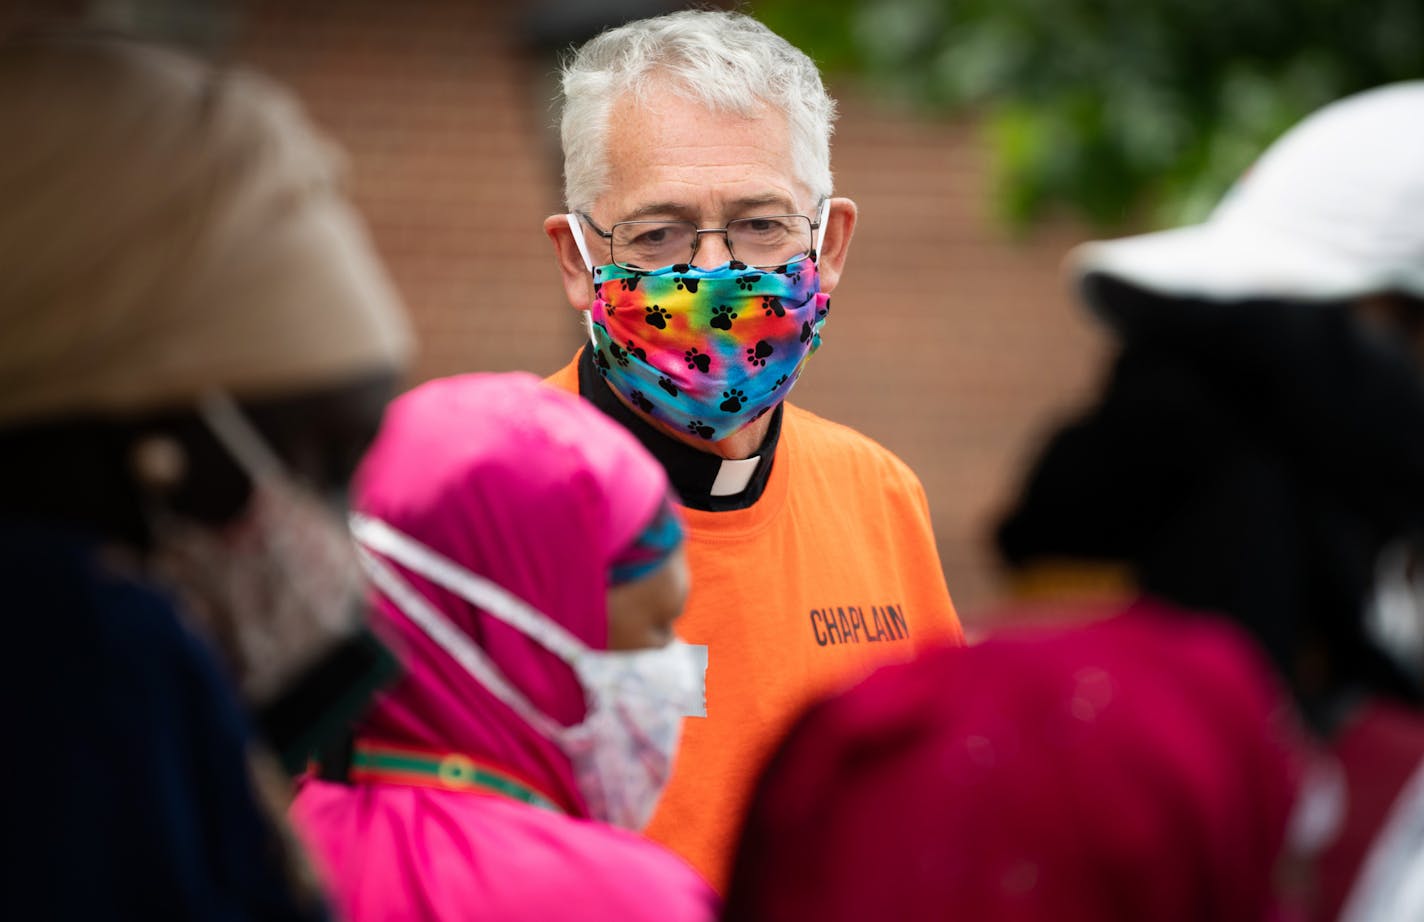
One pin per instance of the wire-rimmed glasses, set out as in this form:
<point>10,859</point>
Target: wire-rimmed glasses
<point>762,241</point>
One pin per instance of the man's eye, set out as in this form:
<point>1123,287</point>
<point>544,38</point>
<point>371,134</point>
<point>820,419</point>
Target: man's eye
<point>763,226</point>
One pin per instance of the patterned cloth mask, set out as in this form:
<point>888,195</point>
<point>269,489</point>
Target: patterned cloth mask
<point>705,351</point>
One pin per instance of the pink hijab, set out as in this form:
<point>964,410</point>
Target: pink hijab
<point>537,491</point>
<point>531,488</point>
<point>1138,768</point>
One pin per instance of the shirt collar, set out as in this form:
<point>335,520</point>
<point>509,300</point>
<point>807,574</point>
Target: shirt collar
<point>704,481</point>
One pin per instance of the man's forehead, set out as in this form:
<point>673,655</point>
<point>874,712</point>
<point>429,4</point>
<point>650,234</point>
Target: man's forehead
<point>671,156</point>
<point>769,202</point>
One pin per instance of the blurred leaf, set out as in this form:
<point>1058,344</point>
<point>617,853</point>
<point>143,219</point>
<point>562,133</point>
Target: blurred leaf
<point>1111,108</point>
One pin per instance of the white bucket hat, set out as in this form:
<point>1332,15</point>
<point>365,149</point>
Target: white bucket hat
<point>1333,210</point>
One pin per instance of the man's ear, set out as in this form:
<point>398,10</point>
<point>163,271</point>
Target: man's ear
<point>578,281</point>
<point>840,225</point>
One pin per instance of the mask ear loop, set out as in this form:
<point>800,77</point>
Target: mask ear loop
<point>577,231</point>
<point>582,245</point>
<point>456,644</point>
<point>492,598</point>
<point>821,233</point>
<point>240,437</point>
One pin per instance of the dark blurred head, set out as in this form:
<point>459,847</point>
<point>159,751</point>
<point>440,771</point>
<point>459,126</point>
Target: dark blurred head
<point>173,229</point>
<point>1250,459</point>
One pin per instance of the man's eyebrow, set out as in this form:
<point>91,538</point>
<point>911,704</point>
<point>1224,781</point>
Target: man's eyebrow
<point>771,200</point>
<point>656,210</point>
<point>652,210</point>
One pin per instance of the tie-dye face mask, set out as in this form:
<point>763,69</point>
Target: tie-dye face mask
<point>705,351</point>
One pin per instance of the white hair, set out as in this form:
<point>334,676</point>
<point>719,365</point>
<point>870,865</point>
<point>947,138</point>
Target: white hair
<point>727,62</point>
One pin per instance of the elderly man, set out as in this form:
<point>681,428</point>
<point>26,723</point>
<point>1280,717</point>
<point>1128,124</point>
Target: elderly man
<point>702,245</point>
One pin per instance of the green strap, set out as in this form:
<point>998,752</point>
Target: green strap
<point>452,771</point>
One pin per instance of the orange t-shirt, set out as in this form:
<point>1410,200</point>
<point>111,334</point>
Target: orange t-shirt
<point>831,572</point>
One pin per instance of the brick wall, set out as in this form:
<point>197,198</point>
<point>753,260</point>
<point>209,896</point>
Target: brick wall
<point>447,123</point>
<point>946,343</point>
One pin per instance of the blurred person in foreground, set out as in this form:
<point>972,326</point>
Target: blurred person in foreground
<point>198,341</point>
<point>1260,445</point>
<point>1144,767</point>
<point>702,245</point>
<point>529,567</point>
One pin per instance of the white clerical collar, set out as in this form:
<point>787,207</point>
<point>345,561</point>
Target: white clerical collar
<point>733,476</point>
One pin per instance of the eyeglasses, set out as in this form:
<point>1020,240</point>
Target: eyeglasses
<point>764,241</point>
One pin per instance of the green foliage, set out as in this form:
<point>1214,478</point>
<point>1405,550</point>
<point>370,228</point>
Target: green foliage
<point>1114,109</point>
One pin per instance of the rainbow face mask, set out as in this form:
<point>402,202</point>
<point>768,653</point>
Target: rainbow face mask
<point>704,351</point>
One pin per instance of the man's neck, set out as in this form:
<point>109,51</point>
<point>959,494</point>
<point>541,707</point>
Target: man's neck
<point>711,476</point>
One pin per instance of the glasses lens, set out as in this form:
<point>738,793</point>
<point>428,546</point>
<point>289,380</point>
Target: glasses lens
<point>652,244</point>
<point>770,241</point>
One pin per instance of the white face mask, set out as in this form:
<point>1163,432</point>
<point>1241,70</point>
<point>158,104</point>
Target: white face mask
<point>623,749</point>
<point>1394,617</point>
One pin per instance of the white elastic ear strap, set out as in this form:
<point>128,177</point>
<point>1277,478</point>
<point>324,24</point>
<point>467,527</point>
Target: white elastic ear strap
<point>588,327</point>
<point>239,436</point>
<point>453,641</point>
<point>574,226</point>
<point>577,230</point>
<point>488,596</point>
<point>825,217</point>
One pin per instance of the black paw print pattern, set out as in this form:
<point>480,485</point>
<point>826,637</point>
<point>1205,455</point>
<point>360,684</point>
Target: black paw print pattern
<point>733,403</point>
<point>698,360</point>
<point>641,402</point>
<point>668,386</point>
<point>631,282</point>
<point>686,284</point>
<point>736,265</point>
<point>636,350</point>
<point>700,429</point>
<point>722,317</point>
<point>805,331</point>
<point>772,305</point>
<point>618,354</point>
<point>758,354</point>
<point>745,282</point>
<point>779,381</point>
<point>657,317</point>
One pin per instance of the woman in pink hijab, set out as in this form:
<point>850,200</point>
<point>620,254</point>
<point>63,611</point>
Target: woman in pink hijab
<point>518,541</point>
